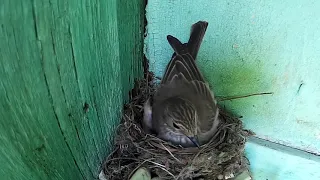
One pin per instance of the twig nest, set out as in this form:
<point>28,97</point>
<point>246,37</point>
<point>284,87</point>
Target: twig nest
<point>133,148</point>
<point>156,178</point>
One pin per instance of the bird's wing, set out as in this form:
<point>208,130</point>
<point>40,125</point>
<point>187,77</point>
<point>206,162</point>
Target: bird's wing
<point>196,92</point>
<point>184,64</point>
<point>183,58</point>
<point>206,104</point>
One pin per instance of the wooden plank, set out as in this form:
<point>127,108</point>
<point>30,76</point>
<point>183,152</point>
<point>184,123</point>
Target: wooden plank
<point>130,39</point>
<point>61,83</point>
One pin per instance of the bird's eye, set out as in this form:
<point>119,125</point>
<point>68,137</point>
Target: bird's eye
<point>176,126</point>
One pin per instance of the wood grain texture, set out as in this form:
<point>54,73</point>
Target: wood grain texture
<point>129,42</point>
<point>62,83</point>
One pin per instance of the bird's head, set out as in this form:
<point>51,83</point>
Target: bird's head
<point>181,115</point>
<point>188,128</point>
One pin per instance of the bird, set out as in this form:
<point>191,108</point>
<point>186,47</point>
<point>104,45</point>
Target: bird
<point>183,110</point>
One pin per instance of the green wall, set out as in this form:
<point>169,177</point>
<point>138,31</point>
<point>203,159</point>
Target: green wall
<point>251,47</point>
<point>57,57</point>
<point>254,46</point>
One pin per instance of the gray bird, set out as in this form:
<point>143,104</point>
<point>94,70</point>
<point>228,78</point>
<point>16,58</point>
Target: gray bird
<point>183,110</point>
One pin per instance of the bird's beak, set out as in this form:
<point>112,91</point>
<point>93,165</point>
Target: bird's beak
<point>195,141</point>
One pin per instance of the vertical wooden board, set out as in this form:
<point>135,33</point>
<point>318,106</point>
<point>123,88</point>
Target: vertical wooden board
<point>30,126</point>
<point>69,94</point>
<point>131,29</point>
<point>62,84</point>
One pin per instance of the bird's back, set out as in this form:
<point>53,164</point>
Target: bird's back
<point>183,79</point>
<point>190,86</point>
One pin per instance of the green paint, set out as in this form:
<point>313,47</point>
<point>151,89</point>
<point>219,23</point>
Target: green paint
<point>252,47</point>
<point>276,162</point>
<point>236,79</point>
<point>56,57</point>
<point>130,40</point>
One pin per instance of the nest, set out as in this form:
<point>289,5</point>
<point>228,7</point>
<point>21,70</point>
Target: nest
<point>221,158</point>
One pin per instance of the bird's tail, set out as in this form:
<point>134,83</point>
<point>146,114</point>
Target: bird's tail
<point>196,36</point>
<point>192,47</point>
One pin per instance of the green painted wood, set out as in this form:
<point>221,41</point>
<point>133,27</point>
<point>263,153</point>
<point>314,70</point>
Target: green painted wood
<point>62,84</point>
<point>130,62</point>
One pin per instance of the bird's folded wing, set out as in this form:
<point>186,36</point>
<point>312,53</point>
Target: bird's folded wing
<point>206,104</point>
<point>184,64</point>
<point>196,92</point>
